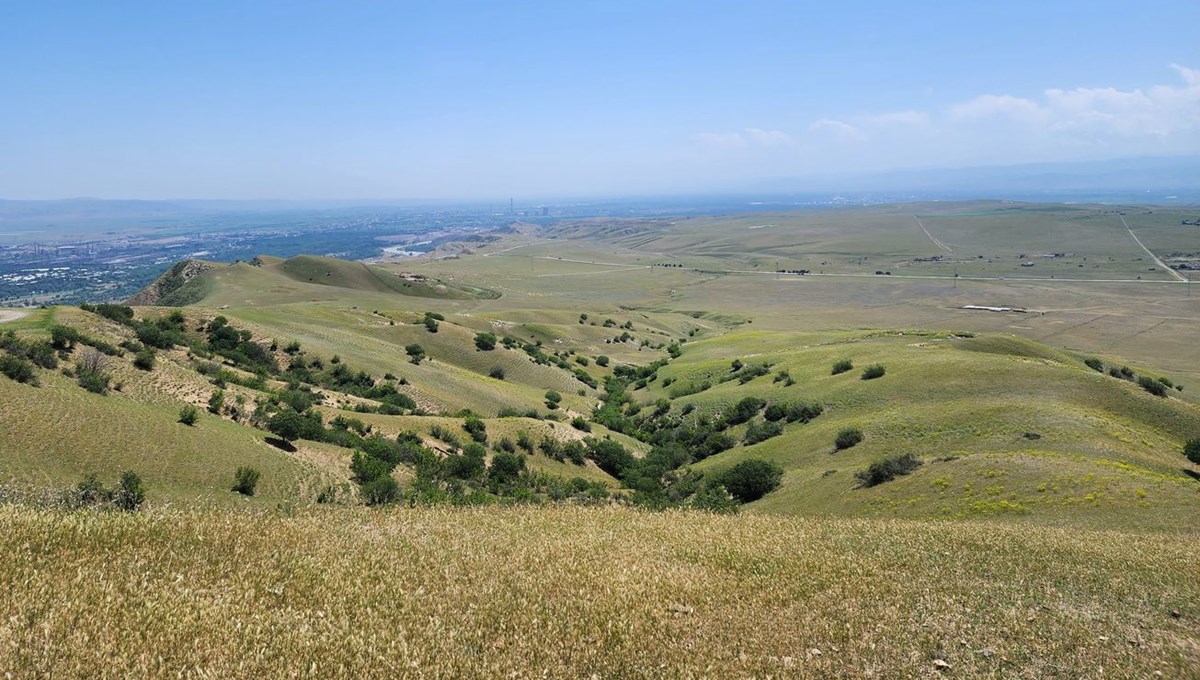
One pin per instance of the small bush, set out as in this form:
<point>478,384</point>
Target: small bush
<point>476,428</point>
<point>415,352</point>
<point>842,366</point>
<point>762,431</point>
<point>485,342</point>
<point>188,415</point>
<point>847,437</point>
<point>602,361</point>
<point>580,424</point>
<point>752,479</point>
<point>216,401</point>
<point>381,491</point>
<point>130,494</point>
<point>714,498</point>
<point>888,469</point>
<point>245,480</point>
<point>872,372</point>
<point>18,369</point>
<point>1094,364</point>
<point>144,359</point>
<point>1192,450</point>
<point>497,372</point>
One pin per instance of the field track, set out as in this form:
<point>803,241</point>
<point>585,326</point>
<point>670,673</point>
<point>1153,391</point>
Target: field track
<point>1154,257</point>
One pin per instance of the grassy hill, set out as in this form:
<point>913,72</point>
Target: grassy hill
<point>1015,502</point>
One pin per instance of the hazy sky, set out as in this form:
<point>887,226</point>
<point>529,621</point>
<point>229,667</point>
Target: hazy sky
<point>491,99</point>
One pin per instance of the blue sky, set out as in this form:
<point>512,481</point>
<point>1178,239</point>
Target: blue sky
<point>355,100</point>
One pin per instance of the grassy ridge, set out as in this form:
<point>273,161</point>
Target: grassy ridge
<point>585,593</point>
<point>1031,433</point>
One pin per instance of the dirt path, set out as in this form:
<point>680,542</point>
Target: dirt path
<point>1154,257</point>
<point>936,242</point>
<point>6,315</point>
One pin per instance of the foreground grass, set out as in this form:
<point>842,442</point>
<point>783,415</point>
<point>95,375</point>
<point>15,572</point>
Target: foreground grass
<point>575,592</point>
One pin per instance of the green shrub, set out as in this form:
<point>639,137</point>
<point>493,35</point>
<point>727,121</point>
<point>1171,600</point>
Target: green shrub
<point>524,441</point>
<point>1192,450</point>
<point>842,366</point>
<point>752,479</point>
<point>381,491</point>
<point>579,423</point>
<point>506,467</point>
<point>714,498</point>
<point>188,415</point>
<point>744,410</point>
<point>90,492</point>
<point>216,401</point>
<point>873,371</point>
<point>847,437</point>
<point>762,431</point>
<point>476,428</point>
<point>497,372</point>
<point>93,381</point>
<point>144,359</point>
<point>485,342</point>
<point>130,494</point>
<point>888,469</point>
<point>602,361</point>
<point>21,370</point>
<point>1094,364</point>
<point>245,480</point>
<point>415,352</point>
<point>1152,386</point>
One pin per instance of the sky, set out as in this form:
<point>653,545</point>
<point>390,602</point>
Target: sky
<point>470,100</point>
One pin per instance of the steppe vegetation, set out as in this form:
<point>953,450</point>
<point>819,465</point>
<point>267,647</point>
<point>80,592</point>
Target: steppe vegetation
<point>717,469</point>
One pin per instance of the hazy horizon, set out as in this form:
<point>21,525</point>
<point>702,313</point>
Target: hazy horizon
<point>474,101</point>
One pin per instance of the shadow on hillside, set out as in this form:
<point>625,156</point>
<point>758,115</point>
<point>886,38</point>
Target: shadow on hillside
<point>1192,473</point>
<point>281,444</point>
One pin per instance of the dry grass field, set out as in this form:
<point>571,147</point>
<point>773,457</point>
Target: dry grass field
<point>591,593</point>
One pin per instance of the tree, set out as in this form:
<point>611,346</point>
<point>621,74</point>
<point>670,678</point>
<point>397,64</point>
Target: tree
<point>188,415</point>
<point>130,494</point>
<point>1192,450</point>
<point>485,342</point>
<point>752,479</point>
<point>290,425</point>
<point>506,467</point>
<point>245,479</point>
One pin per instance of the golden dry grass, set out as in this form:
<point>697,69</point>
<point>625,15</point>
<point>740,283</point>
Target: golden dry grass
<point>575,592</point>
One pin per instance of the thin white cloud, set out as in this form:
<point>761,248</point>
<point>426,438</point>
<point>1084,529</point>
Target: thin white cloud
<point>1059,124</point>
<point>837,129</point>
<point>1190,76</point>
<point>898,118</point>
<point>749,137</point>
<point>989,105</point>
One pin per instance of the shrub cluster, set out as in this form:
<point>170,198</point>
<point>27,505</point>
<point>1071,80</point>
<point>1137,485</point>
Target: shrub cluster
<point>887,469</point>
